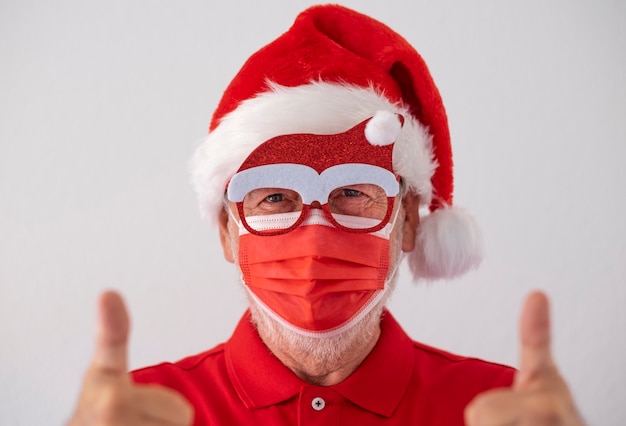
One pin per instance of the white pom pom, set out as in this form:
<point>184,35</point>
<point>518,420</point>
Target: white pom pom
<point>383,128</point>
<point>448,244</point>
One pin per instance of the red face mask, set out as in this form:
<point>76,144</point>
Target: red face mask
<point>317,278</point>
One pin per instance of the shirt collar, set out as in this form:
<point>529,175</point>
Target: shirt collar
<point>259,378</point>
<point>377,385</point>
<point>381,380</point>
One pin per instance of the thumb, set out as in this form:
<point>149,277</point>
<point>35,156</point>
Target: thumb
<point>112,336</point>
<point>535,337</point>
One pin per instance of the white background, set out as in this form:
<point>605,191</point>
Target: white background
<point>103,102</point>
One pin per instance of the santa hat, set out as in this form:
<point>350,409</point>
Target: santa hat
<point>333,69</point>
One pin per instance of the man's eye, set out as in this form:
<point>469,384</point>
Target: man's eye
<point>351,192</point>
<point>275,198</point>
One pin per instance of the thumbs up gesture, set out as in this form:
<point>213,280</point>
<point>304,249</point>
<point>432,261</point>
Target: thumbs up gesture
<point>108,395</point>
<point>539,395</point>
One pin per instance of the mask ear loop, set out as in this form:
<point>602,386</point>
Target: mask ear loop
<point>400,254</point>
<point>231,215</point>
<point>392,275</point>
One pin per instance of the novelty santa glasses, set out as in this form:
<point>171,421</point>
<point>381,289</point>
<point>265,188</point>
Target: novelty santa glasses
<point>274,199</point>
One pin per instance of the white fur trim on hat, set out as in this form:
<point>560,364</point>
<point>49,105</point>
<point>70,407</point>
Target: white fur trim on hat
<point>317,107</point>
<point>448,244</point>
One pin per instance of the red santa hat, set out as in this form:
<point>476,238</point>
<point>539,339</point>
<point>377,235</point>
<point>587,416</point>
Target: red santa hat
<point>333,69</point>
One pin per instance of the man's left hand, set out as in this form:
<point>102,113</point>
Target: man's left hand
<point>539,395</point>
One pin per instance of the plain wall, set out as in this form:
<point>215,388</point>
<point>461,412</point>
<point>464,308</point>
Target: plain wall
<point>103,102</point>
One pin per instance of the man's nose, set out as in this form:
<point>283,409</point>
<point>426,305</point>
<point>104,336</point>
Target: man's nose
<point>316,205</point>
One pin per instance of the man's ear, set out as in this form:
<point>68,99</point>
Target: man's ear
<point>225,239</point>
<point>411,204</point>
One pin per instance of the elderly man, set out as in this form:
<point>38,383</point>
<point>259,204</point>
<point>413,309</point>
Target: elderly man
<point>320,156</point>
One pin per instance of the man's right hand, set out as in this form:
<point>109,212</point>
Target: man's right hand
<point>108,396</point>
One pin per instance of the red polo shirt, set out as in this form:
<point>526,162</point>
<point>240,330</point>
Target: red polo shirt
<point>401,382</point>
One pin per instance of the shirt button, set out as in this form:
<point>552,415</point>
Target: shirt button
<point>318,404</point>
